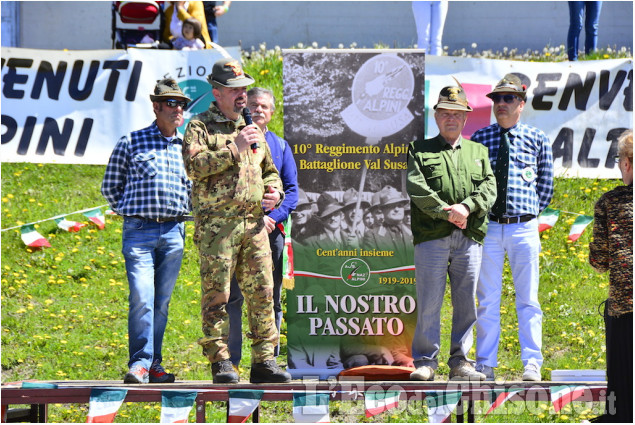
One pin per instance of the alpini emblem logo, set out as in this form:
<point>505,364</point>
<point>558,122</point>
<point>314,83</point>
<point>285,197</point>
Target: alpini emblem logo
<point>355,272</point>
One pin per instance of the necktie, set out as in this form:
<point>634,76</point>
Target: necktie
<point>501,171</point>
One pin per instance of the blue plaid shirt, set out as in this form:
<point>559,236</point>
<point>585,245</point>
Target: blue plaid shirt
<point>146,177</point>
<point>530,182</point>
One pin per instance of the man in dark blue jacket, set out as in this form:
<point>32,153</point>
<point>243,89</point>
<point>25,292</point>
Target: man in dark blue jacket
<point>261,103</point>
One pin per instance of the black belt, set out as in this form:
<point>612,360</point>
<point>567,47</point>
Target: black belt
<point>512,220</point>
<point>178,219</point>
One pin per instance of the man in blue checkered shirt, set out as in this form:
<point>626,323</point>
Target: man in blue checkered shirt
<point>523,166</point>
<point>145,182</point>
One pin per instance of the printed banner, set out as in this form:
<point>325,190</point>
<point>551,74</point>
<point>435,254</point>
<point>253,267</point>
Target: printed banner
<point>349,117</point>
<point>71,107</point>
<point>582,106</point>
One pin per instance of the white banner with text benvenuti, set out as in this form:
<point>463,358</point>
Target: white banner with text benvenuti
<point>72,106</point>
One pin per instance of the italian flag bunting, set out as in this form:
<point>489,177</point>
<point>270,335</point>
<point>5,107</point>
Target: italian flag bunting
<point>104,404</point>
<point>32,238</point>
<point>547,219</point>
<point>311,407</point>
<point>176,406</point>
<point>97,217</point>
<point>379,401</point>
<point>562,395</point>
<point>288,280</point>
<point>500,396</point>
<point>69,226</point>
<point>242,404</point>
<point>580,223</point>
<point>441,404</point>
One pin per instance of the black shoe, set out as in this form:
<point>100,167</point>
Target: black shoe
<point>268,372</point>
<point>224,373</point>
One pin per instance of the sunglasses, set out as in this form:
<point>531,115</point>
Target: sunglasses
<point>174,103</point>
<point>507,98</point>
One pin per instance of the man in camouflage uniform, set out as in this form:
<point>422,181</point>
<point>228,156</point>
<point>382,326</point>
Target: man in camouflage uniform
<point>233,185</point>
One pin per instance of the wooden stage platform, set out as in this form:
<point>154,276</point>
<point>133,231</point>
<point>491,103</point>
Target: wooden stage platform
<point>72,392</point>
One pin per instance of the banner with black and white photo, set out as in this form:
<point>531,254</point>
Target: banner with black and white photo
<point>71,107</point>
<point>349,117</point>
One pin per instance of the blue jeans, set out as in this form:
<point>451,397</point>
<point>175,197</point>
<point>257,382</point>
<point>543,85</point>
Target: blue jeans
<point>235,303</point>
<point>521,241</point>
<point>591,23</point>
<point>460,258</point>
<point>153,254</point>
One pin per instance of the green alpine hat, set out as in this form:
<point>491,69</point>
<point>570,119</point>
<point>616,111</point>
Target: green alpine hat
<point>510,84</point>
<point>452,97</point>
<point>167,88</point>
<point>227,72</point>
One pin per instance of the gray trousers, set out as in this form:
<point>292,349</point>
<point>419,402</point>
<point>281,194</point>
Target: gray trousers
<point>459,258</point>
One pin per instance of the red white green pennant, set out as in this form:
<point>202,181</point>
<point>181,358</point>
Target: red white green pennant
<point>580,223</point>
<point>69,226</point>
<point>97,217</point>
<point>311,407</point>
<point>547,219</point>
<point>377,402</point>
<point>32,238</point>
<point>242,404</point>
<point>441,404</point>
<point>176,406</point>
<point>104,404</point>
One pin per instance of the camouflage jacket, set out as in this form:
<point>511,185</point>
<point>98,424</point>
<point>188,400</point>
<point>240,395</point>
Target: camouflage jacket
<point>612,246</point>
<point>226,183</point>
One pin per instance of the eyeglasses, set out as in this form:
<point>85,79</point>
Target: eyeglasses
<point>508,98</point>
<point>174,103</point>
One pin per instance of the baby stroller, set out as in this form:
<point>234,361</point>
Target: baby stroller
<point>137,24</point>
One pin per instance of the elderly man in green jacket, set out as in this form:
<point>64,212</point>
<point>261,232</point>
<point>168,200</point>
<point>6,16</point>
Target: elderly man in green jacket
<point>451,188</point>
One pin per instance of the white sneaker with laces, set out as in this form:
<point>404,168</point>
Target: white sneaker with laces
<point>532,372</point>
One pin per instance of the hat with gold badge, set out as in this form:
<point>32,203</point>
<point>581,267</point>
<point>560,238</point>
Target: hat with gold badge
<point>510,84</point>
<point>453,97</point>
<point>228,72</point>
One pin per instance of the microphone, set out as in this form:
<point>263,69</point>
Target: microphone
<point>249,121</point>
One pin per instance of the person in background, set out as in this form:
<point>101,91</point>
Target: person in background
<point>177,12</point>
<point>451,189</point>
<point>523,166</point>
<point>353,228</point>
<point>234,184</point>
<point>145,182</point>
<point>305,224</point>
<point>189,40</point>
<point>577,12</point>
<point>212,11</point>
<point>612,251</point>
<point>261,103</point>
<point>430,20</point>
<point>391,234</point>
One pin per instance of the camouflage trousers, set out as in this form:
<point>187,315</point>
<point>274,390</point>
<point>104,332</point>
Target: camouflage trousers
<point>227,246</point>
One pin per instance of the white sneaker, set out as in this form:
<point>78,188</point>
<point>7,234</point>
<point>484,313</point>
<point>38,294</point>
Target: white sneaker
<point>423,373</point>
<point>488,371</point>
<point>532,373</point>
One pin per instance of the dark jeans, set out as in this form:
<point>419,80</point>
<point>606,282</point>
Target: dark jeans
<point>577,12</point>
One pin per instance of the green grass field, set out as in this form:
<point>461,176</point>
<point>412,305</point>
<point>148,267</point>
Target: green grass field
<point>64,309</point>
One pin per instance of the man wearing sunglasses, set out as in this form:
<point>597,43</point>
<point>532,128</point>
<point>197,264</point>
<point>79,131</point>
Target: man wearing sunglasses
<point>235,181</point>
<point>145,182</point>
<point>523,166</point>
